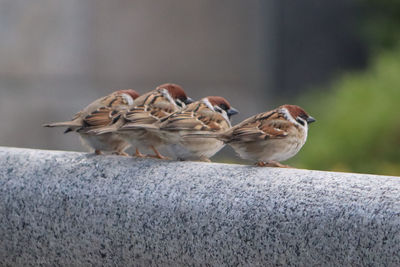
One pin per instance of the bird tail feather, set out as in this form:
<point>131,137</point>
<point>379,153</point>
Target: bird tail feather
<point>63,124</point>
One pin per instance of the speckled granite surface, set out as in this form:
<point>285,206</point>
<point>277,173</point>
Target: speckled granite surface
<point>74,209</point>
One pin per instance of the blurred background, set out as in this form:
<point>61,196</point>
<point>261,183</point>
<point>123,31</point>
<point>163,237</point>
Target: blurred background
<point>339,60</point>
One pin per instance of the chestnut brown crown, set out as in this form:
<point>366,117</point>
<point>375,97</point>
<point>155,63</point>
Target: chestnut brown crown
<point>130,92</point>
<point>297,112</point>
<point>176,91</point>
<point>219,101</point>
<point>223,104</point>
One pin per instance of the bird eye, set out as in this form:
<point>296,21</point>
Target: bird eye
<point>300,121</point>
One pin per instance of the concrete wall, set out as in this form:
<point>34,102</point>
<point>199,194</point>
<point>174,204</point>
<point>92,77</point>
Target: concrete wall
<point>74,209</point>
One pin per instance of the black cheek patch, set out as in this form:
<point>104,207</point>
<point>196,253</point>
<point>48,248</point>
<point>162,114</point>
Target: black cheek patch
<point>300,121</point>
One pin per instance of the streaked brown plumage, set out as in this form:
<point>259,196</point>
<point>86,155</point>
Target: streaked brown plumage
<point>100,113</point>
<point>208,115</point>
<point>148,109</point>
<point>269,137</point>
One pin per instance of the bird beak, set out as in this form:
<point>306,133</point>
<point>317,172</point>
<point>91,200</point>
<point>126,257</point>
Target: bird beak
<point>232,111</point>
<point>310,120</point>
<point>188,101</point>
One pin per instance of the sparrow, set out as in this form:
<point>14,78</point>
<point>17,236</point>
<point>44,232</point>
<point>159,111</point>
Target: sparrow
<point>100,113</point>
<point>208,115</point>
<point>148,109</point>
<point>269,137</point>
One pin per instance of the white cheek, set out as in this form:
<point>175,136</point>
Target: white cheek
<point>305,127</point>
<point>166,94</point>
<point>288,116</point>
<point>208,104</point>
<point>128,99</point>
<point>305,131</point>
<point>226,117</point>
<point>291,119</point>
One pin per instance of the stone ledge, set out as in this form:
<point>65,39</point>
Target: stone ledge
<point>70,209</point>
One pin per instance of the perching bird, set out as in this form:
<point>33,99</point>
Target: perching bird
<point>100,113</point>
<point>208,115</point>
<point>269,137</point>
<point>148,109</point>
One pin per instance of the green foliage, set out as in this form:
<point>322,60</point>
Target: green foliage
<point>358,121</point>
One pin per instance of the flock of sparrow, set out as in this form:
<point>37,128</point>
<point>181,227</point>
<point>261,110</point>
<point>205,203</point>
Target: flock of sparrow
<point>189,130</point>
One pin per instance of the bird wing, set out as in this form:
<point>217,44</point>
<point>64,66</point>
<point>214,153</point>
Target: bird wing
<point>195,117</point>
<point>268,125</point>
<point>154,107</point>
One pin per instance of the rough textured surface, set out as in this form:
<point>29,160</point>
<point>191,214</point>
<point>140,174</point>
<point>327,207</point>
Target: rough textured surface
<point>63,208</point>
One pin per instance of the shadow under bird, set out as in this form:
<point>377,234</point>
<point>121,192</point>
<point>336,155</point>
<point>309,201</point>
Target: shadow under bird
<point>148,109</point>
<point>100,113</point>
<point>269,137</point>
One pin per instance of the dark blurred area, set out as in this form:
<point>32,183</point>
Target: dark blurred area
<point>58,56</point>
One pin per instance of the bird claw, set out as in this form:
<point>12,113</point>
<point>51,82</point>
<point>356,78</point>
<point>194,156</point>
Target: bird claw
<point>159,156</point>
<point>138,154</point>
<point>272,164</point>
<point>121,153</point>
<point>205,159</point>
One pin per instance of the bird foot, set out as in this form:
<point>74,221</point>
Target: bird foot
<point>272,164</point>
<point>159,156</point>
<point>138,154</point>
<point>121,153</point>
<point>204,159</point>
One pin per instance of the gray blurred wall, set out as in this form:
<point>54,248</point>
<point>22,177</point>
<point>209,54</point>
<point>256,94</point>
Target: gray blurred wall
<point>56,56</point>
